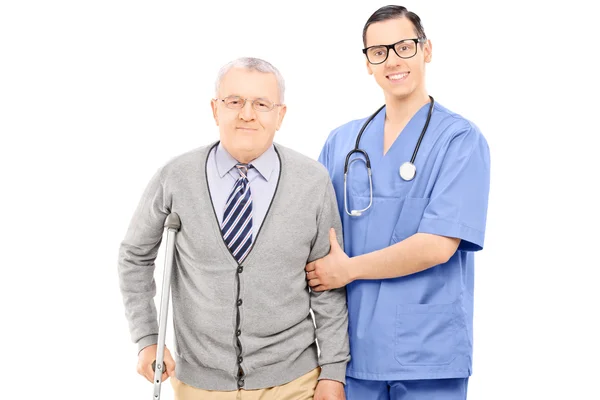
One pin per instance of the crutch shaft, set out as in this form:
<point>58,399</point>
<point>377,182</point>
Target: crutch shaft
<point>172,224</point>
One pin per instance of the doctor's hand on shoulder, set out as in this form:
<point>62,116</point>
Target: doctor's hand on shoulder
<point>331,271</point>
<point>329,390</point>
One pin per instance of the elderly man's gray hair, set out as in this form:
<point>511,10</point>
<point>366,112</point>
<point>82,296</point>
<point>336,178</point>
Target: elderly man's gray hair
<point>255,64</point>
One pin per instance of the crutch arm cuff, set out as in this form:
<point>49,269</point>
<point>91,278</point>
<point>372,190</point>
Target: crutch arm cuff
<point>147,341</point>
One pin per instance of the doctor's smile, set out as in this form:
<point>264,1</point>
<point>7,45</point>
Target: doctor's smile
<point>398,76</point>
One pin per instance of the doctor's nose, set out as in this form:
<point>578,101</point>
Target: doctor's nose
<point>247,113</point>
<point>393,60</point>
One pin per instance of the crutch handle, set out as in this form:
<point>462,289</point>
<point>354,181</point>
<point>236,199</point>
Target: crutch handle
<point>173,222</point>
<point>154,366</point>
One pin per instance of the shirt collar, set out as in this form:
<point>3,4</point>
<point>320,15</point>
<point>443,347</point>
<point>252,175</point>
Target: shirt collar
<point>264,164</point>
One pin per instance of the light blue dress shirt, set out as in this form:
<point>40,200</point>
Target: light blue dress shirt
<point>222,175</point>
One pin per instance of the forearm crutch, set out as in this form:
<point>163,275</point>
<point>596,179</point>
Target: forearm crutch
<point>172,223</point>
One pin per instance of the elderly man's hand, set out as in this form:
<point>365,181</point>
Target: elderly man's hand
<point>145,359</point>
<point>329,390</point>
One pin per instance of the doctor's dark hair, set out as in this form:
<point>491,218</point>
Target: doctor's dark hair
<point>392,12</point>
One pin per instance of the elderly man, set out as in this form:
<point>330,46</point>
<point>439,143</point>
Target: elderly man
<point>253,213</point>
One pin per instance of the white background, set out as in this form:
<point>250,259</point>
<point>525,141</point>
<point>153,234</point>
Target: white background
<point>95,96</point>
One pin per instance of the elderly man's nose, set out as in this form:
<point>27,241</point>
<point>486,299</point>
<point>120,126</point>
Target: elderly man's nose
<point>247,112</point>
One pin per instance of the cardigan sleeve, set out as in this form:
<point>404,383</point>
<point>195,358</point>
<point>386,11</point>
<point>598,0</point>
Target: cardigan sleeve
<point>329,307</point>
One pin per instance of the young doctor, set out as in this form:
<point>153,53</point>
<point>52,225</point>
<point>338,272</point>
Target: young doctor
<point>412,191</point>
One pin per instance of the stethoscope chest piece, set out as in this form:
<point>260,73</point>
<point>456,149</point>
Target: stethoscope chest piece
<point>408,171</point>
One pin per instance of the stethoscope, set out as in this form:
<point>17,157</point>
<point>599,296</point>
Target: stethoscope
<point>407,170</point>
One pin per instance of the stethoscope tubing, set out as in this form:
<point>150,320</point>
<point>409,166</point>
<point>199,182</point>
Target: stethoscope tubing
<point>367,161</point>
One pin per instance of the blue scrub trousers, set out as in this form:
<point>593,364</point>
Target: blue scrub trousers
<point>426,389</point>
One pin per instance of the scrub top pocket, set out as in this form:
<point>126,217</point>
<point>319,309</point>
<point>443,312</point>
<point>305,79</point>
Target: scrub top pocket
<point>425,334</point>
<point>409,219</point>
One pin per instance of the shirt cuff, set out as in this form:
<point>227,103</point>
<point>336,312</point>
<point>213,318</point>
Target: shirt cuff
<point>147,341</point>
<point>334,372</point>
<point>472,238</point>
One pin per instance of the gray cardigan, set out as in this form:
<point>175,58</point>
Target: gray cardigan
<point>238,326</point>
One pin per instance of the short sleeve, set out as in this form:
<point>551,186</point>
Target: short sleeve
<point>458,202</point>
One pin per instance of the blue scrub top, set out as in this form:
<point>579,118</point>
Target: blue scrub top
<point>418,326</point>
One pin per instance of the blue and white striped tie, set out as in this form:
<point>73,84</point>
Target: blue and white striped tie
<point>237,218</point>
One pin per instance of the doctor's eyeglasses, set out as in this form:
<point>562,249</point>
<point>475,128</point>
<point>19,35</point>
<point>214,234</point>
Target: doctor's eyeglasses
<point>237,103</point>
<point>406,48</point>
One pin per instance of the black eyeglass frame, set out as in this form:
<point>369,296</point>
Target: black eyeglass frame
<point>393,47</point>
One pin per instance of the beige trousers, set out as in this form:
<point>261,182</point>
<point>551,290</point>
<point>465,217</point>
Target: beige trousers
<point>302,388</point>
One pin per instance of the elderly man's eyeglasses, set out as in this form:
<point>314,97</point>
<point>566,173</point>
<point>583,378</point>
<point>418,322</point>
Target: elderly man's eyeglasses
<point>237,103</point>
<point>406,48</point>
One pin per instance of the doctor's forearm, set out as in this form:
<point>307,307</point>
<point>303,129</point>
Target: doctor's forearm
<point>414,254</point>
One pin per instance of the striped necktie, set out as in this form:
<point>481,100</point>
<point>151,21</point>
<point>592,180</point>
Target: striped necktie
<point>237,218</point>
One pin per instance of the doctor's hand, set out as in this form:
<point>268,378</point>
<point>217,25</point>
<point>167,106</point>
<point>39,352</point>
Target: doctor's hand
<point>331,271</point>
<point>145,359</point>
<point>329,390</point>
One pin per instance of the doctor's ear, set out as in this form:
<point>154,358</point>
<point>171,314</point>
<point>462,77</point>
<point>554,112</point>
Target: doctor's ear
<point>427,51</point>
<point>213,105</point>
